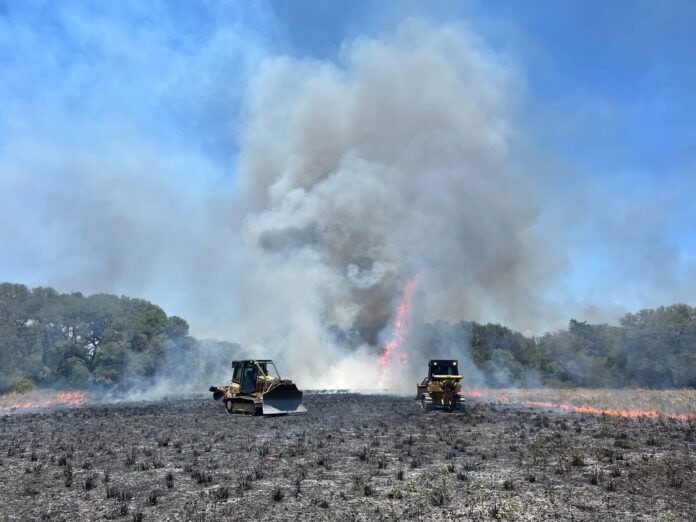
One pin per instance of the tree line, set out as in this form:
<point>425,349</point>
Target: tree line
<point>653,348</point>
<point>53,339</point>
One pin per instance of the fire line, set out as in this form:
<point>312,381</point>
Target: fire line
<point>60,398</point>
<point>654,413</point>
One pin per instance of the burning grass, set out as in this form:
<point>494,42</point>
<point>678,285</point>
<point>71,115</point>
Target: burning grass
<point>672,404</point>
<point>38,399</point>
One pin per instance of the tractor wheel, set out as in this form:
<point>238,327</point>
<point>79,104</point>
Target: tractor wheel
<point>425,404</point>
<point>229,405</point>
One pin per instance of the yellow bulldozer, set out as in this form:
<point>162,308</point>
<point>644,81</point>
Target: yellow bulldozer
<point>257,389</point>
<point>440,389</point>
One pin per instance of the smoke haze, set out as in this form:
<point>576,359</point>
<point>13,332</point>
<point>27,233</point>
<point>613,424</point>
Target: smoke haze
<point>405,157</point>
<point>393,163</point>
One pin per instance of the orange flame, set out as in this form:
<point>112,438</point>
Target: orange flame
<point>492,395</point>
<point>392,350</point>
<point>60,398</point>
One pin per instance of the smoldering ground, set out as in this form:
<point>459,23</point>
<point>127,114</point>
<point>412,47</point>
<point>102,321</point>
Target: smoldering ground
<point>357,457</point>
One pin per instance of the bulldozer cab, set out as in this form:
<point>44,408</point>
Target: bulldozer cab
<point>247,373</point>
<point>248,383</point>
<point>442,367</point>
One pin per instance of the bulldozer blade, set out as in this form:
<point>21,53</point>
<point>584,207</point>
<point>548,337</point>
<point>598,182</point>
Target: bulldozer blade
<point>285,398</point>
<point>217,393</point>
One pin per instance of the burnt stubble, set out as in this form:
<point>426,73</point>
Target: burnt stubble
<point>351,457</point>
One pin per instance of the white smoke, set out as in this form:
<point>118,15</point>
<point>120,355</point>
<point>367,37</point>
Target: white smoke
<point>354,176</point>
<point>405,157</point>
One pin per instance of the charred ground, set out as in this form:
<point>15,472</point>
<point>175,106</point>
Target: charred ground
<point>351,457</point>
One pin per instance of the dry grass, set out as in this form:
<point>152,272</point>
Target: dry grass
<point>8,400</point>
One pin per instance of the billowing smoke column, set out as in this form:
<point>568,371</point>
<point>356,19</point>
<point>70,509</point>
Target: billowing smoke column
<point>353,176</point>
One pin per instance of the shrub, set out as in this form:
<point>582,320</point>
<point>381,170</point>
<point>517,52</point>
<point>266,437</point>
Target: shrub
<point>22,385</point>
<point>131,457</point>
<point>119,493</point>
<point>278,494</point>
<point>68,474</point>
<point>90,481</point>
<point>221,493</point>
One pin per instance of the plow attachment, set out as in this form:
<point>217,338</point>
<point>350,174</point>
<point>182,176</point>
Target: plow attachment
<point>218,392</point>
<point>284,398</point>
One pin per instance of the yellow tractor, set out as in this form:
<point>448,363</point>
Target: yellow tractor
<point>257,389</point>
<point>440,389</point>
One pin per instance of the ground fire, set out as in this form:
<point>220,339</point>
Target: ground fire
<point>44,399</point>
<point>624,403</point>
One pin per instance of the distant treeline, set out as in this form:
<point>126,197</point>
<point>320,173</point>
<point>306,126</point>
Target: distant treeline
<point>653,348</point>
<point>49,339</point>
<point>53,339</point>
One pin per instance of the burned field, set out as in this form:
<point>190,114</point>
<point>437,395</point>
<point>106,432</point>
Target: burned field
<point>351,457</point>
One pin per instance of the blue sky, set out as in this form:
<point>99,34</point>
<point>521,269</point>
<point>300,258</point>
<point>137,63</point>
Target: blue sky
<point>154,93</point>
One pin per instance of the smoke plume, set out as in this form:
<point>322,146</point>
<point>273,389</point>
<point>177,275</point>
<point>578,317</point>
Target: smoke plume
<point>354,177</point>
<point>294,225</point>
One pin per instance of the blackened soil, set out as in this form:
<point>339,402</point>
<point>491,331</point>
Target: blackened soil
<point>351,457</point>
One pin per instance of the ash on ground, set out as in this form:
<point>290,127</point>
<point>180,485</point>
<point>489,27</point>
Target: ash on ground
<point>351,457</point>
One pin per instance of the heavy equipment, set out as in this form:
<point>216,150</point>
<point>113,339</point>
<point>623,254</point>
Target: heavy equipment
<point>440,389</point>
<point>257,389</point>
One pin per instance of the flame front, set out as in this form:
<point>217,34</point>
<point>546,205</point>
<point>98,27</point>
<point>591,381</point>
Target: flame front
<point>393,353</point>
<point>630,412</point>
<point>60,398</point>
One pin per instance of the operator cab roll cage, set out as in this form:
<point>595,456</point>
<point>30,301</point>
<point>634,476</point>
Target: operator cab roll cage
<point>250,373</point>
